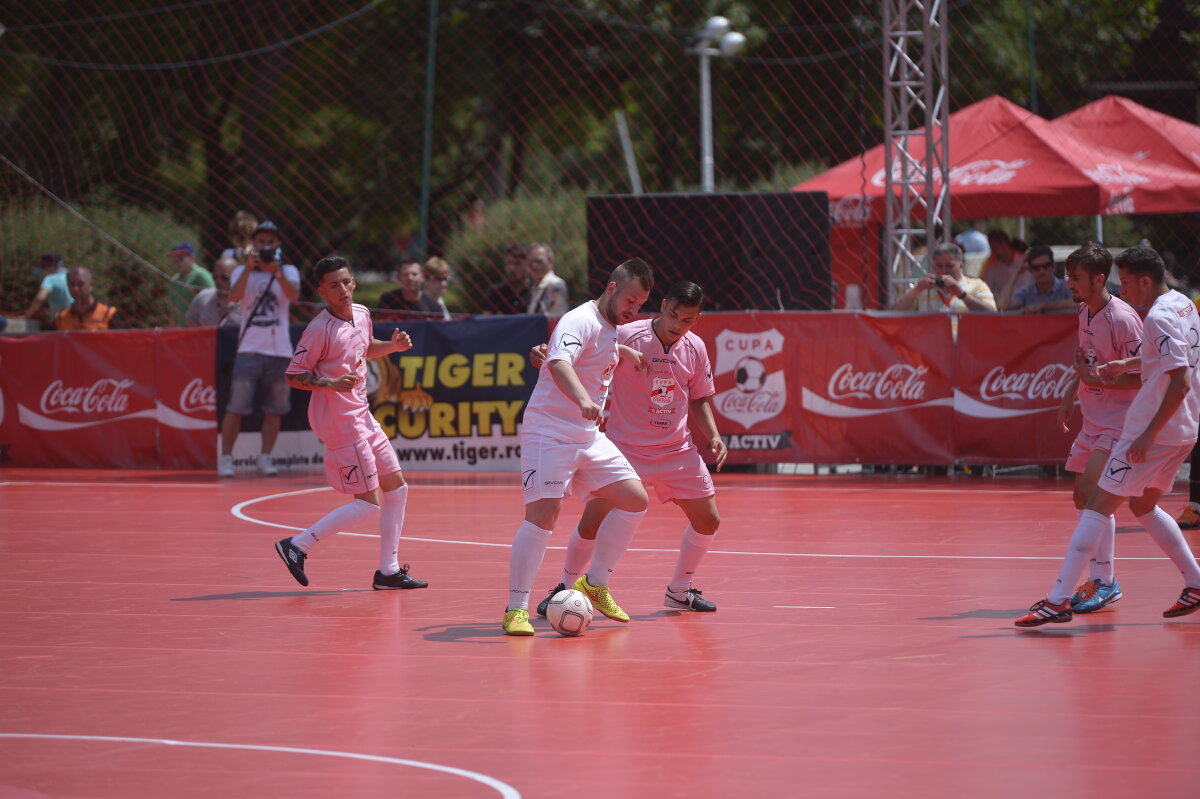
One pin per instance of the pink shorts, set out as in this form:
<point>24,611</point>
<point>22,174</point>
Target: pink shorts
<point>1124,479</point>
<point>355,468</point>
<point>1085,444</point>
<point>680,474</point>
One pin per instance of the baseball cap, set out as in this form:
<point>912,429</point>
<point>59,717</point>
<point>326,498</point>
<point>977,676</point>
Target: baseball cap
<point>51,258</point>
<point>183,248</point>
<point>268,227</point>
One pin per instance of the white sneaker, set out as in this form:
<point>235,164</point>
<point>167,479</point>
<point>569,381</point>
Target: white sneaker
<point>266,465</point>
<point>225,466</point>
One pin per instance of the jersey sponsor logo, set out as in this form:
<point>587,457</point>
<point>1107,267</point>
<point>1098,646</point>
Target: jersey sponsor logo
<point>1117,469</point>
<point>662,391</point>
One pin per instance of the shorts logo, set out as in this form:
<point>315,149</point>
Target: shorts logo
<point>349,475</point>
<point>527,479</point>
<point>1117,469</point>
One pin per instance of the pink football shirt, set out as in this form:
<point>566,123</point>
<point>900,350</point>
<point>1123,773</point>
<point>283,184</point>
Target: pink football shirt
<point>649,410</point>
<point>1112,334</point>
<point>331,347</point>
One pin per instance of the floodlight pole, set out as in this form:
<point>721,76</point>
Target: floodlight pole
<point>706,130</point>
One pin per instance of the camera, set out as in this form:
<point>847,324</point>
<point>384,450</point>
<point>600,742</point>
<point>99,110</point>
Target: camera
<point>940,282</point>
<point>269,255</point>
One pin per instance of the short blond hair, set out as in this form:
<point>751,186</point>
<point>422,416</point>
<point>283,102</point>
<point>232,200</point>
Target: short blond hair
<point>436,267</point>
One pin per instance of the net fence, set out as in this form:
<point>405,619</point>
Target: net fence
<point>400,129</point>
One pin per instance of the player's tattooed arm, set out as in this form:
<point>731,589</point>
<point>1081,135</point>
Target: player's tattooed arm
<point>306,381</point>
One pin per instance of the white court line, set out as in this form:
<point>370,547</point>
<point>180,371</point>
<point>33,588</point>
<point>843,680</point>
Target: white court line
<point>238,511</point>
<point>504,789</point>
<point>806,607</point>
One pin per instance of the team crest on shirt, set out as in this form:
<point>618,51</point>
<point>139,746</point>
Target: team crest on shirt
<point>662,392</point>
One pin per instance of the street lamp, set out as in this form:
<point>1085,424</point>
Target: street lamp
<point>716,38</point>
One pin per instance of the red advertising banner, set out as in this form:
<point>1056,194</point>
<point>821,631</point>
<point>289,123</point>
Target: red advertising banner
<point>130,399</point>
<point>1011,373</point>
<point>832,388</point>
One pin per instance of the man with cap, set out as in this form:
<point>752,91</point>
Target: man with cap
<point>53,290</point>
<point>265,287</point>
<point>189,279</point>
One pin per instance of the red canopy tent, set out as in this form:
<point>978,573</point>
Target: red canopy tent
<point>1004,162</point>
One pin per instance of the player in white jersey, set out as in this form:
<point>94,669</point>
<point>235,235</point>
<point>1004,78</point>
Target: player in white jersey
<point>666,381</point>
<point>563,449</point>
<point>1109,330</point>
<point>1158,434</point>
<point>331,362</point>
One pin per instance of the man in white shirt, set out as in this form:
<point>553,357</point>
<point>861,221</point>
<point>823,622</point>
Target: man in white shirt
<point>563,450</point>
<point>265,287</point>
<point>549,294</point>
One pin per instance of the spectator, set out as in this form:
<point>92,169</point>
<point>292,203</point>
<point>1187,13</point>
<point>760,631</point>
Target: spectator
<point>189,278</point>
<point>265,287</point>
<point>85,313</point>
<point>241,232</point>
<point>973,239</point>
<point>212,307</point>
<point>437,277</point>
<point>1002,264</point>
<point>549,294</point>
<point>408,297</point>
<point>1047,293</point>
<point>53,291</point>
<point>511,295</point>
<point>947,288</point>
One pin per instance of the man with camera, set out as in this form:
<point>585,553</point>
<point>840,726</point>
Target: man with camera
<point>265,288</point>
<point>947,288</point>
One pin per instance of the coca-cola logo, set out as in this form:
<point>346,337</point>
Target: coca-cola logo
<point>985,172</point>
<point>900,381</point>
<point>198,396</point>
<point>103,396</point>
<point>760,404</point>
<point>1049,382</point>
<point>1114,173</point>
<point>850,211</point>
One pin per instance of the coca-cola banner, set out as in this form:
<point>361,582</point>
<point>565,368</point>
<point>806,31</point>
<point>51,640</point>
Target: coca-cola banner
<point>832,388</point>
<point>1011,373</point>
<point>131,399</point>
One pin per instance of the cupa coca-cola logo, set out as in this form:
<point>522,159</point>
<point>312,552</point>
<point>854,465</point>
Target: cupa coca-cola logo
<point>1049,382</point>
<point>103,396</point>
<point>900,381</point>
<point>198,396</point>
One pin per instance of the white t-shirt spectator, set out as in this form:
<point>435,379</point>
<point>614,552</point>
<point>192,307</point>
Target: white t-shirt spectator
<point>266,331</point>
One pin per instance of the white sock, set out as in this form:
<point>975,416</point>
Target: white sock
<point>1102,562</point>
<point>612,539</point>
<point>336,520</point>
<point>391,524</point>
<point>579,555</point>
<point>1170,540</point>
<point>691,551</point>
<point>528,549</point>
<point>1087,534</point>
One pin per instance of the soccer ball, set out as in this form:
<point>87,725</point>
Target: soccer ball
<point>569,612</point>
<point>750,374</point>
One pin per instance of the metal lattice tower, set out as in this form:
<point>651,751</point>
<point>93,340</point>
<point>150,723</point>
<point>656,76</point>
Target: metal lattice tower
<point>917,179</point>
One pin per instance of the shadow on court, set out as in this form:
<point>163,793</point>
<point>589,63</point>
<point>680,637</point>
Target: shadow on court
<point>240,595</point>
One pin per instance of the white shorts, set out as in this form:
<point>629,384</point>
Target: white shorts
<point>1124,479</point>
<point>681,474</point>
<point>1085,444</point>
<point>551,469</point>
<point>355,468</point>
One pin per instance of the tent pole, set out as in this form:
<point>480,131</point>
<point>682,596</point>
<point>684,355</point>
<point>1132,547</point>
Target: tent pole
<point>1099,229</point>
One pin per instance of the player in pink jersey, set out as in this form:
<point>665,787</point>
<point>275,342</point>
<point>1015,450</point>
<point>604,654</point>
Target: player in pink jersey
<point>1109,330</point>
<point>1156,438</point>
<point>664,380</point>
<point>331,362</point>
<point>563,449</point>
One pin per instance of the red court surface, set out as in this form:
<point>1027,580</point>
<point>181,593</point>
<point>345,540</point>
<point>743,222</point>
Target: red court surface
<point>153,645</point>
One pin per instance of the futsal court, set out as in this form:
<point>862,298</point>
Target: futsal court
<point>155,646</point>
